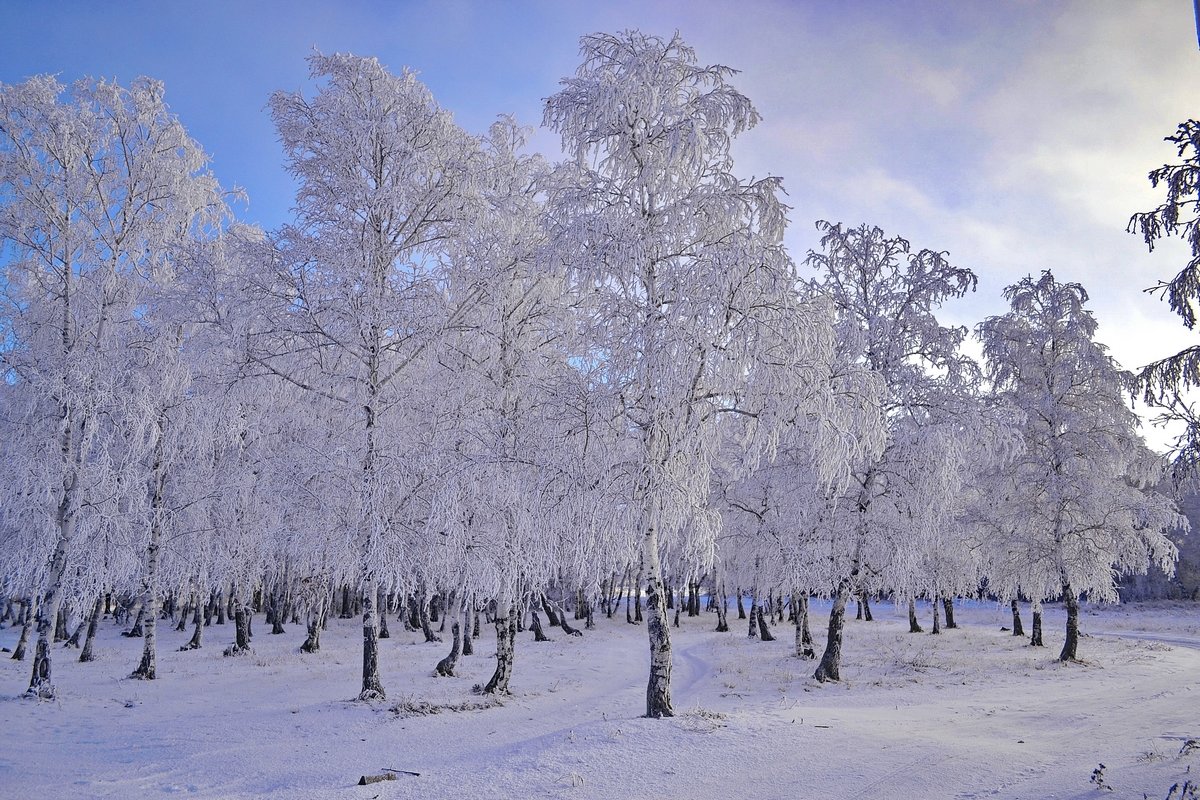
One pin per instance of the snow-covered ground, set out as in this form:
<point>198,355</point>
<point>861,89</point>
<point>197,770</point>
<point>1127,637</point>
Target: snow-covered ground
<point>971,713</point>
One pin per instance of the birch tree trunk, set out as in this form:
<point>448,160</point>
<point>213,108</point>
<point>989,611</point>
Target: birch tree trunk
<point>423,603</point>
<point>506,633</point>
<point>75,636</point>
<point>28,615</point>
<point>187,609</point>
<point>914,625</point>
<point>637,591</point>
<point>445,667</point>
<point>764,632</point>
<point>658,688</point>
<point>89,642</point>
<point>41,683</point>
<point>804,642</point>
<point>137,630</point>
<point>467,647</point>
<point>1018,628</point>
<point>831,660</point>
<point>1071,644</point>
<point>1035,638</point>
<point>720,600</point>
<point>382,601</point>
<point>562,620</point>
<point>147,669</point>
<point>372,687</point>
<point>277,611</point>
<point>722,610</point>
<point>535,625</point>
<point>316,623</point>
<point>241,626</point>
<point>197,629</point>
<point>60,625</point>
<point>948,607</point>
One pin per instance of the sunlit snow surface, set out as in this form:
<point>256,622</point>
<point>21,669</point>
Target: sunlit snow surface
<point>971,713</point>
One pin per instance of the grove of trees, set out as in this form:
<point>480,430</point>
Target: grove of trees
<point>465,380</point>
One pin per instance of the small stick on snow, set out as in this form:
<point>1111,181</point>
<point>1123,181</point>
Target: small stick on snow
<point>369,779</point>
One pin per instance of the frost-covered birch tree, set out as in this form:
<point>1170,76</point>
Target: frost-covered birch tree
<point>510,496</point>
<point>785,513</point>
<point>101,191</point>
<point>687,296</point>
<point>1080,502</point>
<point>886,297</point>
<point>359,279</point>
<point>1170,383</point>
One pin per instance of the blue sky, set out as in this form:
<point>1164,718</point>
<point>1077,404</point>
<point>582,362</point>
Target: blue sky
<point>1015,135</point>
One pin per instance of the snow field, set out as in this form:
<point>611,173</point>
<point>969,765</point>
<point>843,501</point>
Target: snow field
<point>971,713</point>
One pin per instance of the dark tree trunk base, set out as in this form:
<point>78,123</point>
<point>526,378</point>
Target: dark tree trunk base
<point>658,688</point>
<point>197,635</point>
<point>88,653</point>
<point>241,626</point>
<point>1070,649</point>
<point>384,633</point>
<point>914,625</point>
<point>551,615</point>
<point>567,628</point>
<point>830,667</point>
<point>312,644</point>
<point>372,686</point>
<point>145,670</point>
<point>535,625</point>
<point>764,632</point>
<point>804,642</point>
<point>426,619</point>
<point>26,629</point>
<point>506,634</point>
<point>1018,629</point>
<point>40,685</point>
<point>468,649</point>
<point>136,632</point>
<point>445,667</point>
